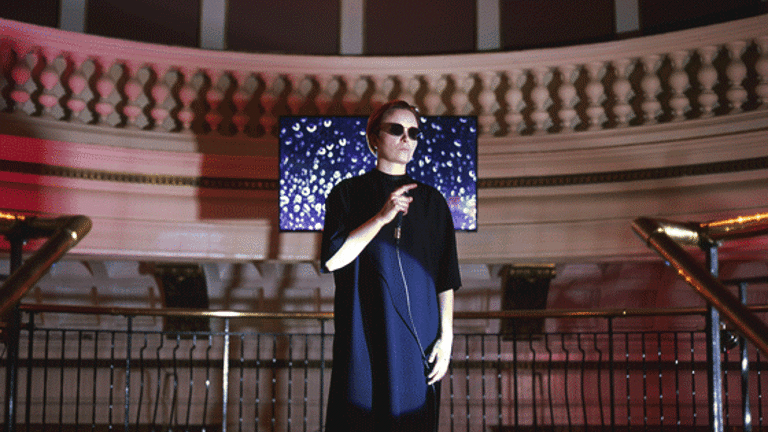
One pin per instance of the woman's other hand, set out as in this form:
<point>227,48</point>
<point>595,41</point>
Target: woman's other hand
<point>440,358</point>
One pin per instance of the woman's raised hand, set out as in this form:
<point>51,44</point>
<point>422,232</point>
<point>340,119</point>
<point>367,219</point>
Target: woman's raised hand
<point>397,202</point>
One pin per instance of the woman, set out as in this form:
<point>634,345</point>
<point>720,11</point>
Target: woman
<point>390,243</point>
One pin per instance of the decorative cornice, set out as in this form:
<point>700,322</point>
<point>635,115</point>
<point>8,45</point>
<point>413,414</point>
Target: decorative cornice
<point>722,167</point>
<point>530,271</point>
<point>150,179</point>
<point>628,175</point>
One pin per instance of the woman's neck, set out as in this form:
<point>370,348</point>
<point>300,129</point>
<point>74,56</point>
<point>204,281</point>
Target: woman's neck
<point>390,168</point>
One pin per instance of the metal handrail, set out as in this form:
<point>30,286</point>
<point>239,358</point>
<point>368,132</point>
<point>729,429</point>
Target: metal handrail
<point>666,238</point>
<point>232,314</point>
<point>63,233</point>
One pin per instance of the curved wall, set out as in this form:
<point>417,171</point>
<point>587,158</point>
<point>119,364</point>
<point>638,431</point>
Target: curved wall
<point>172,151</point>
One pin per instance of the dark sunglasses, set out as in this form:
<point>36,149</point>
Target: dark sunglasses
<point>396,129</point>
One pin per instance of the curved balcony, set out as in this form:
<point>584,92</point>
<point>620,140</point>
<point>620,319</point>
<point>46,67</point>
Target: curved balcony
<point>575,142</point>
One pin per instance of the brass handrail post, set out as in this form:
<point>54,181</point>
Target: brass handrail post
<point>714,344</point>
<point>657,235</point>
<point>63,233</point>
<point>11,338</point>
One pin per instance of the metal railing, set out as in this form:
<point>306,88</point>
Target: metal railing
<point>132,375</point>
<point>120,370</point>
<point>62,234</point>
<point>668,238</point>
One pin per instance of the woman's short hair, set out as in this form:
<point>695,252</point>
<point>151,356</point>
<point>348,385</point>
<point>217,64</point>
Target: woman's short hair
<point>374,121</point>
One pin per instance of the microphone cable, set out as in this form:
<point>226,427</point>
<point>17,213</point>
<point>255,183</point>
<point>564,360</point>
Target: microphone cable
<point>425,362</point>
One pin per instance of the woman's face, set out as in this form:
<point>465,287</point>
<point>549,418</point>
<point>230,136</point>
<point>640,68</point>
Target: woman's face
<point>394,146</point>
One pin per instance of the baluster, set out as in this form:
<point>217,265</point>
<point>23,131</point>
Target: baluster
<point>187,95</point>
<point>410,87</point>
<point>761,67</point>
<point>460,96</point>
<point>388,87</point>
<point>296,97</point>
<point>352,97</point>
<point>622,88</point>
<point>651,86</point>
<point>162,103</point>
<point>432,100</point>
<point>213,97</point>
<point>6,59</point>
<point>568,97</point>
<point>488,105</point>
<point>595,92</point>
<point>245,89</point>
<point>678,81</point>
<point>274,85</point>
<point>736,71</point>
<point>329,88</point>
<point>105,86</point>
<point>77,82</point>
<point>381,90</point>
<point>514,100</point>
<point>49,78</point>
<point>541,100</point>
<point>707,77</point>
<point>133,90</point>
<point>23,85</point>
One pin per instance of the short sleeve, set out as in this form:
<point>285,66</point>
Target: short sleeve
<point>449,274</point>
<point>335,228</point>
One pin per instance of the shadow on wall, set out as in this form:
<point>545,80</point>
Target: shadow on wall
<point>239,149</point>
<point>22,181</point>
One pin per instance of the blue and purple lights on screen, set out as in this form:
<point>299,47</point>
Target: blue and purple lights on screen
<point>317,152</point>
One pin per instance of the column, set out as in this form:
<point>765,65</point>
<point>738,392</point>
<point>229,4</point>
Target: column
<point>213,19</point>
<point>627,16</point>
<point>488,25</point>
<point>351,31</point>
<point>72,15</point>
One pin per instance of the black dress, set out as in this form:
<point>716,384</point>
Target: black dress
<point>383,325</point>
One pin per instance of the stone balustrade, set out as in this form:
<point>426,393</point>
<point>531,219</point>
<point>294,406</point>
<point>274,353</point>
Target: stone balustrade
<point>575,142</point>
<point>68,77</point>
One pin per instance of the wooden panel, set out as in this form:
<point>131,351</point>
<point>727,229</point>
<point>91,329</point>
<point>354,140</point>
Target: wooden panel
<point>657,16</point>
<point>290,26</point>
<point>399,27</point>
<point>547,23</point>
<point>169,22</point>
<point>40,12</point>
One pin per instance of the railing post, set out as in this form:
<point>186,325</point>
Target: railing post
<point>611,365</point>
<point>322,372</point>
<point>11,368</point>
<point>225,377</point>
<point>128,342</point>
<point>747,415</point>
<point>12,341</point>
<point>30,355</point>
<point>715,371</point>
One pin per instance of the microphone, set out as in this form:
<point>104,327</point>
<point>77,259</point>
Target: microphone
<point>399,226</point>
